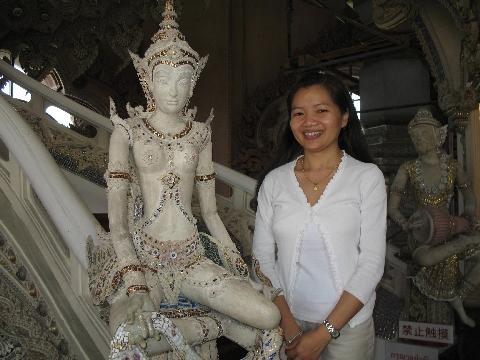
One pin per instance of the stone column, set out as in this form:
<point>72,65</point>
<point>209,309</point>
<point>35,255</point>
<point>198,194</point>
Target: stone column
<point>473,153</point>
<point>460,118</point>
<point>473,161</point>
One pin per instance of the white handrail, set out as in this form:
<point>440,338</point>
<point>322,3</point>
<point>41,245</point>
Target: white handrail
<point>55,98</point>
<point>235,179</point>
<point>69,214</point>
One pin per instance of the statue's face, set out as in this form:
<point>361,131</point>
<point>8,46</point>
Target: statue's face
<point>171,87</point>
<point>424,138</point>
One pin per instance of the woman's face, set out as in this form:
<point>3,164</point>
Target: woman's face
<point>316,120</point>
<point>171,87</point>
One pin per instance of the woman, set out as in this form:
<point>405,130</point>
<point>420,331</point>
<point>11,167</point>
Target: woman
<point>320,226</point>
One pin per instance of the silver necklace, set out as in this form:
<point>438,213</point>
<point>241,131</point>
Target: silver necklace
<point>442,185</point>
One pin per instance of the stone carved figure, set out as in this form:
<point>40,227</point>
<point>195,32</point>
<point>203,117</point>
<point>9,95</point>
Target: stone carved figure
<point>437,241</point>
<point>163,290</point>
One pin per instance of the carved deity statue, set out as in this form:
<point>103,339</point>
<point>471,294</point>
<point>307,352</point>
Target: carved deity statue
<point>157,259</point>
<point>437,240</point>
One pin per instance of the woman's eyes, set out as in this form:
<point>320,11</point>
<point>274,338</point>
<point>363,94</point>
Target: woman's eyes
<point>299,113</point>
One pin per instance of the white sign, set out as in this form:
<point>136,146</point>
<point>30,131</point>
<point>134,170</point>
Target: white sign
<point>403,351</point>
<point>436,333</point>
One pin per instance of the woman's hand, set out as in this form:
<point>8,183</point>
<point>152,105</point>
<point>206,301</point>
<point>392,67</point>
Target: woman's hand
<point>309,346</point>
<point>291,331</point>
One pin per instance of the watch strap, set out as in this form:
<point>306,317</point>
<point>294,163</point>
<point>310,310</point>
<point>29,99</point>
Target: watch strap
<point>334,333</point>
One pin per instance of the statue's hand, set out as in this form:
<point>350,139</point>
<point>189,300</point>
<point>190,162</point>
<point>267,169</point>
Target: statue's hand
<point>139,310</point>
<point>233,261</point>
<point>414,223</point>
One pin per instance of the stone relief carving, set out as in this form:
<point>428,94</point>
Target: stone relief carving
<point>257,137</point>
<point>73,152</point>
<point>389,14</point>
<point>27,328</point>
<point>67,34</point>
<point>456,103</point>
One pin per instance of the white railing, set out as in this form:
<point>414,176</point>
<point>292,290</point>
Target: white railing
<point>72,219</point>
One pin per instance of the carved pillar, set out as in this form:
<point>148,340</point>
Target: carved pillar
<point>460,119</point>
<point>473,159</point>
<point>473,153</point>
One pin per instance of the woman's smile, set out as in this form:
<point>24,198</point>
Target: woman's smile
<point>312,135</point>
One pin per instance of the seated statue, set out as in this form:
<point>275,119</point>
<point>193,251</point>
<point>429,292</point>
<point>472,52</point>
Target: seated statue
<point>152,268</point>
<point>437,241</point>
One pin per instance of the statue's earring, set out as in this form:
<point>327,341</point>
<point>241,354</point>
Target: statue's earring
<point>440,137</point>
<point>185,108</point>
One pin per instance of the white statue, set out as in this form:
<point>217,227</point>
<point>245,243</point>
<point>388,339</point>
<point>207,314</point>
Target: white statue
<point>437,240</point>
<point>156,157</point>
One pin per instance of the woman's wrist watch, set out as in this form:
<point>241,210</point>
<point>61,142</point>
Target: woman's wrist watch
<point>334,333</point>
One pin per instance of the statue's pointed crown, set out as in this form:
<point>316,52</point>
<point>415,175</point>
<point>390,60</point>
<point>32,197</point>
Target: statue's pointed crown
<point>168,44</point>
<point>423,117</point>
<point>168,47</point>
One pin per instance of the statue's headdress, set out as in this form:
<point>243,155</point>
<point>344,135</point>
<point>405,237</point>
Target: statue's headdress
<point>425,117</point>
<point>170,48</point>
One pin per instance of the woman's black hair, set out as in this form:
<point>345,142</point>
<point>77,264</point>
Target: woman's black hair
<point>351,138</point>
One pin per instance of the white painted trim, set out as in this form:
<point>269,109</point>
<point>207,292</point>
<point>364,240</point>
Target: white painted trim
<point>235,179</point>
<point>69,214</point>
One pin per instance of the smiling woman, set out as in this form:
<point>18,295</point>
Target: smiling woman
<point>320,226</point>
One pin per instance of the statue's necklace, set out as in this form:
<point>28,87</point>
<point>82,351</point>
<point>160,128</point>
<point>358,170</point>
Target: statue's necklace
<point>171,179</point>
<point>164,136</point>
<point>442,185</point>
<point>315,184</point>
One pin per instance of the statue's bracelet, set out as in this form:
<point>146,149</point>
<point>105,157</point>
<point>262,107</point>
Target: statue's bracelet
<point>132,289</point>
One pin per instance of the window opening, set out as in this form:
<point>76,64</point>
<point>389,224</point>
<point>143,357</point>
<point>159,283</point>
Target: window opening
<point>54,82</point>
<point>59,115</point>
<point>356,103</point>
<point>12,89</point>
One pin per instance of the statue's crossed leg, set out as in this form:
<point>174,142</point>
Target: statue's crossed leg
<point>181,335</point>
<point>239,312</point>
<point>213,286</point>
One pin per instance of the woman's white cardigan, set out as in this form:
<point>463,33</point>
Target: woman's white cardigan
<point>351,215</point>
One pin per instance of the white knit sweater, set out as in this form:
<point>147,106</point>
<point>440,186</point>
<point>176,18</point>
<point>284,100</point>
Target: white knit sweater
<point>351,215</point>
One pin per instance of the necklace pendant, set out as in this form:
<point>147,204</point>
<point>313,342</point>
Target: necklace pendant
<point>315,187</point>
